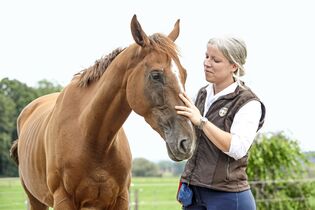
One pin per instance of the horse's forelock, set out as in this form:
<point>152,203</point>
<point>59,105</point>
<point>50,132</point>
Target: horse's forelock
<point>94,72</point>
<point>163,44</point>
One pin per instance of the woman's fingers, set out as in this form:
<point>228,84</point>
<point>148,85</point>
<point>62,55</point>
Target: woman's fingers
<point>183,110</point>
<point>186,114</point>
<point>185,99</point>
<point>180,107</point>
<point>189,110</point>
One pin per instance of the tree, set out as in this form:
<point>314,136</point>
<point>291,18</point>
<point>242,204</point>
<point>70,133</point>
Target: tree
<point>276,168</point>
<point>145,168</point>
<point>14,96</point>
<point>7,113</point>
<point>7,166</point>
<point>18,92</point>
<point>46,87</point>
<point>179,167</point>
<point>165,167</point>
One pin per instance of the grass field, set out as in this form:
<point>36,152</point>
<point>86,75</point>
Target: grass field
<point>12,195</point>
<point>153,194</point>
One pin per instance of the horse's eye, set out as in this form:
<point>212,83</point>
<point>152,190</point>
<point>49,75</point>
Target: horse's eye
<point>157,75</point>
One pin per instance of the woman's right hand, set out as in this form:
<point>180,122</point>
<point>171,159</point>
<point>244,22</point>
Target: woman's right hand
<point>189,110</point>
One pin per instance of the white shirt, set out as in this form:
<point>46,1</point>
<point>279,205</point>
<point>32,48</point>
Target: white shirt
<point>245,123</point>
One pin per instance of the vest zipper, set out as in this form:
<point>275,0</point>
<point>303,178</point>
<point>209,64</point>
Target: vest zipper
<point>228,169</point>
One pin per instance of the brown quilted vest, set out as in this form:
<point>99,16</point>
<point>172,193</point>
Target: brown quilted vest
<point>209,167</point>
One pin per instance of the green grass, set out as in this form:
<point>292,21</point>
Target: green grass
<point>12,195</point>
<point>153,194</point>
<point>312,200</point>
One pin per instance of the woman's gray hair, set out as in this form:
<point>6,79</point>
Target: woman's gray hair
<point>234,49</point>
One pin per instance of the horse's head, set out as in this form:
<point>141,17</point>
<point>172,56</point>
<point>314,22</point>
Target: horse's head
<point>156,78</point>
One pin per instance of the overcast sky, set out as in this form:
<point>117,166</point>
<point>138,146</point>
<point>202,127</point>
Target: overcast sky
<point>53,40</point>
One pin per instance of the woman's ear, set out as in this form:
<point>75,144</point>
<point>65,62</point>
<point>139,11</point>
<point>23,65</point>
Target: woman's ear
<point>234,68</point>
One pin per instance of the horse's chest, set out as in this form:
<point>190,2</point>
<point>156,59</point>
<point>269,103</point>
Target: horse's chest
<point>97,189</point>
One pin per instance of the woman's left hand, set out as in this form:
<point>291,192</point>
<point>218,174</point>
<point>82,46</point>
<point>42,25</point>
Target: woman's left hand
<point>190,110</point>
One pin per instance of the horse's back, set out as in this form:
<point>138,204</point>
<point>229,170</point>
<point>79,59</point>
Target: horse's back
<point>41,104</point>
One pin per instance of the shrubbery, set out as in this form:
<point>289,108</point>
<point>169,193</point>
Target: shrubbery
<point>277,170</point>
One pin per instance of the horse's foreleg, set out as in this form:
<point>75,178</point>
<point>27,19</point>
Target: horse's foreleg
<point>33,203</point>
<point>62,201</point>
<point>122,202</point>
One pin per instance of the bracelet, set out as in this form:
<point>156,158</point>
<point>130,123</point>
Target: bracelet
<point>203,121</point>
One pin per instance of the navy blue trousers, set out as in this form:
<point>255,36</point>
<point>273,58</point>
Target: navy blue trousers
<point>207,199</point>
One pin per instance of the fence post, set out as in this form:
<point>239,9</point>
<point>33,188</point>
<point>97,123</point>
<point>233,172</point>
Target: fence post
<point>136,199</point>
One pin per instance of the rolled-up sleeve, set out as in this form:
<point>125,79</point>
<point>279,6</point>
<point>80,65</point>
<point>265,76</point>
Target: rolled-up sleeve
<point>244,129</point>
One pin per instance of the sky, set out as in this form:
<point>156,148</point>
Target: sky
<point>53,40</point>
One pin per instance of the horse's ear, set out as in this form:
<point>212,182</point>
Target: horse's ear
<point>138,34</point>
<point>174,34</point>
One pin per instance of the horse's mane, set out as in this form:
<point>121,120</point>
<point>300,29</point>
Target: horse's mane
<point>94,72</point>
<point>158,42</point>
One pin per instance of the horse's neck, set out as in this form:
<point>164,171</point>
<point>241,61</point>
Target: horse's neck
<point>108,109</point>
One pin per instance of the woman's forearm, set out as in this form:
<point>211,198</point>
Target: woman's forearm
<point>218,137</point>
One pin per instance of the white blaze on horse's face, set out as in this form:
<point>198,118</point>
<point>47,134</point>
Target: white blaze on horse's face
<point>175,71</point>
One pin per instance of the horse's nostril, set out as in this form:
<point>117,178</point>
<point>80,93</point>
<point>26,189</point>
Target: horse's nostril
<point>183,145</point>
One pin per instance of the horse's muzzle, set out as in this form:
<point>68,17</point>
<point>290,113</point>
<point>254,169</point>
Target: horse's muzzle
<point>180,149</point>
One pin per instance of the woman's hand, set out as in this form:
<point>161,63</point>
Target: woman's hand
<point>219,137</point>
<point>190,110</point>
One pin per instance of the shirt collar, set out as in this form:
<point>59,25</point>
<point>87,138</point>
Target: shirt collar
<point>229,89</point>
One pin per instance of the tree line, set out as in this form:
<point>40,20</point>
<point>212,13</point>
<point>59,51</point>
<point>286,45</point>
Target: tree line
<point>276,162</point>
<point>14,96</point>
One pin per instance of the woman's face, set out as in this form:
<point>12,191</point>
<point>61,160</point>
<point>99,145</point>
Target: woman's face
<point>218,70</point>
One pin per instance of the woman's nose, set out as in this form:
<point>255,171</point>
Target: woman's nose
<point>207,62</point>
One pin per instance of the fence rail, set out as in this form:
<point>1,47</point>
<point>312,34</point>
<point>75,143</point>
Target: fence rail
<point>263,201</point>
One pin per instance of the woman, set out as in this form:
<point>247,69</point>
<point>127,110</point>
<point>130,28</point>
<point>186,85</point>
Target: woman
<point>227,116</point>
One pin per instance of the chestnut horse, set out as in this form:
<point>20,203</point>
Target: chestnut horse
<point>72,152</point>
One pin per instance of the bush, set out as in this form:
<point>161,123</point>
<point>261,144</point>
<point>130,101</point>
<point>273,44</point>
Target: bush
<point>276,169</point>
<point>144,168</point>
